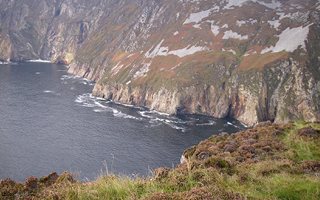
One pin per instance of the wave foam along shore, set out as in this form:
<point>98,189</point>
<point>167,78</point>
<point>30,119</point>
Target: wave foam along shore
<point>39,61</point>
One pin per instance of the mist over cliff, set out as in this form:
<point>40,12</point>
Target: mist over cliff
<point>253,60</point>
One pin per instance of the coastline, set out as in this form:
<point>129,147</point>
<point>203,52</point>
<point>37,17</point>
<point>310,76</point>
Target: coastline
<point>221,167</point>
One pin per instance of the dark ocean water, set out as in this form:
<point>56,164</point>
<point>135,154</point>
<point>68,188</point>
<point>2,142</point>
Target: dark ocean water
<point>50,122</point>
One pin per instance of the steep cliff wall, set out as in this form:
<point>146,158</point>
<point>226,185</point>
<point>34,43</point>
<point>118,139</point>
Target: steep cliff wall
<point>253,60</point>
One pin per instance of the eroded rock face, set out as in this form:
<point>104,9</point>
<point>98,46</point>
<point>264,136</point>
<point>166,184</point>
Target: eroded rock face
<point>250,60</point>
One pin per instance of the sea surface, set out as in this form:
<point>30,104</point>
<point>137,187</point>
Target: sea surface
<point>49,121</point>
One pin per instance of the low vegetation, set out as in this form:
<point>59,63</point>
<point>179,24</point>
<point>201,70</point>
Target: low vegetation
<point>270,161</point>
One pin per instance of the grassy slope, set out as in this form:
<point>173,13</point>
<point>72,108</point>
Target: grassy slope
<point>266,162</point>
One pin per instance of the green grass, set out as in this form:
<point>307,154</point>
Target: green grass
<point>302,149</point>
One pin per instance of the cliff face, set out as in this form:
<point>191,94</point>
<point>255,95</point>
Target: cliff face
<point>253,60</point>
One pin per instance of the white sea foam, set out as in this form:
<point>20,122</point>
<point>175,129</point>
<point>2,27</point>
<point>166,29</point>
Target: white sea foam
<point>87,100</point>
<point>210,123</point>
<point>152,114</point>
<point>159,113</point>
<point>48,91</point>
<point>145,114</point>
<point>231,124</point>
<point>97,103</point>
<point>39,61</point>
<point>117,113</point>
<point>38,73</point>
<point>51,92</point>
<point>100,110</point>
<point>172,124</point>
<point>244,125</point>
<point>74,79</point>
<point>154,118</point>
<point>127,105</point>
<point>69,76</point>
<point>157,118</point>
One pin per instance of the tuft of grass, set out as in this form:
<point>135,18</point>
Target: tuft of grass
<point>301,148</point>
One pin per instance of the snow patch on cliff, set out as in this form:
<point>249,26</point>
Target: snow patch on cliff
<point>215,29</point>
<point>231,51</point>
<point>235,3</point>
<point>192,1</point>
<point>164,51</point>
<point>176,66</point>
<point>187,51</point>
<point>130,55</point>
<point>276,23</point>
<point>143,71</point>
<point>161,51</point>
<point>251,52</point>
<point>197,26</point>
<point>290,40</point>
<point>150,54</point>
<point>274,4</point>
<point>225,26</point>
<point>241,22</point>
<point>155,51</point>
<point>197,17</point>
<point>116,68</point>
<point>234,35</point>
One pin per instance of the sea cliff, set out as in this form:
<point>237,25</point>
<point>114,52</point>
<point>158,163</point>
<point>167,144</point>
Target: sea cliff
<point>250,60</point>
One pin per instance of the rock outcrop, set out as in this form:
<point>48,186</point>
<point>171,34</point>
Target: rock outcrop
<point>253,60</point>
